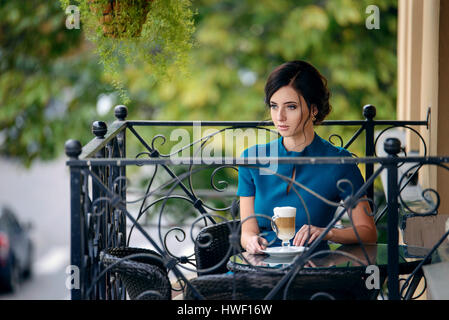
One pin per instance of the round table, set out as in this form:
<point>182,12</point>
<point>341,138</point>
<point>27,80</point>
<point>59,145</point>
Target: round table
<point>339,256</point>
<point>344,271</point>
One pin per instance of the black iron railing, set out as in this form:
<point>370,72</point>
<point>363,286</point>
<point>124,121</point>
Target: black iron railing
<point>101,217</point>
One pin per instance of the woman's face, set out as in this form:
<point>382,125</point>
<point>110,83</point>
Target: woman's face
<point>289,111</point>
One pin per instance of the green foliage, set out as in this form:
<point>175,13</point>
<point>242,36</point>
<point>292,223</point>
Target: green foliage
<point>48,81</point>
<point>238,43</point>
<point>50,78</point>
<point>237,39</point>
<point>144,33</point>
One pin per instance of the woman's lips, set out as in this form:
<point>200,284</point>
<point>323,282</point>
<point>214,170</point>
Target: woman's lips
<point>282,128</point>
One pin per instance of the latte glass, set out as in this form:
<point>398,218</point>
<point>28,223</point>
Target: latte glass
<point>284,219</point>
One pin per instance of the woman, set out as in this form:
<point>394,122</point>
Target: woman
<point>298,98</point>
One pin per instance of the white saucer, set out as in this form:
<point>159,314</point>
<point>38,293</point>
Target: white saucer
<point>273,261</point>
<point>282,252</point>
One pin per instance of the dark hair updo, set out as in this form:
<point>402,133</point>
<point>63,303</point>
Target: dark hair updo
<point>306,80</point>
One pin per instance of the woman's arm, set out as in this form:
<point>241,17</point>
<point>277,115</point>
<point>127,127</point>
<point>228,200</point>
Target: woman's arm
<point>362,222</point>
<point>250,239</point>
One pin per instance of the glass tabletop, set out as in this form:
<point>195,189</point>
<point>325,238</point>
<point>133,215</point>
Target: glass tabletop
<point>338,256</point>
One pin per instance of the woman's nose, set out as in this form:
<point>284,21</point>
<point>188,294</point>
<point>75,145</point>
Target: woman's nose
<point>281,114</point>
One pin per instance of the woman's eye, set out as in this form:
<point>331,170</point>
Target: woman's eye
<point>273,106</point>
<point>292,107</point>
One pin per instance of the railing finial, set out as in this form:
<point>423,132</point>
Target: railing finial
<point>99,129</point>
<point>369,111</point>
<point>121,112</point>
<point>392,146</point>
<point>73,148</point>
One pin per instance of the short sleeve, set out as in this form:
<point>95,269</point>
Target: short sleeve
<point>246,187</point>
<point>350,172</point>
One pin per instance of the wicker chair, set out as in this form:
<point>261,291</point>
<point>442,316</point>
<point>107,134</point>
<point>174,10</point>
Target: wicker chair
<point>144,277</point>
<point>257,285</point>
<point>213,246</point>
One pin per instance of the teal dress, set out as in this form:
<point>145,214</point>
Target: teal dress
<point>270,191</point>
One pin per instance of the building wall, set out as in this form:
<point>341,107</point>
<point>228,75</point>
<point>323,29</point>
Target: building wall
<point>409,70</point>
<point>423,69</point>
<point>443,104</point>
<point>423,85</point>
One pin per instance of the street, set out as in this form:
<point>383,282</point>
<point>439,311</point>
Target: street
<point>41,195</point>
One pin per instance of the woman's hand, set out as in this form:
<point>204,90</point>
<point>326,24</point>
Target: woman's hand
<point>253,259</point>
<point>255,244</point>
<point>303,233</point>
<point>250,239</point>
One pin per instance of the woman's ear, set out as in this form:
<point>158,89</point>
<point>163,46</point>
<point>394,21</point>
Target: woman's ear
<point>314,110</point>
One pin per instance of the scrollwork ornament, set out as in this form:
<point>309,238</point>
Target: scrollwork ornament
<point>425,194</point>
<point>336,136</point>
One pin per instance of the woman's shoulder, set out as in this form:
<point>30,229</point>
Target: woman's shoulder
<point>330,150</point>
<point>262,150</point>
<point>340,170</point>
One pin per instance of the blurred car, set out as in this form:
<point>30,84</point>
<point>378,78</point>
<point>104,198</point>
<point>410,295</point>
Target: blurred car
<point>16,251</point>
